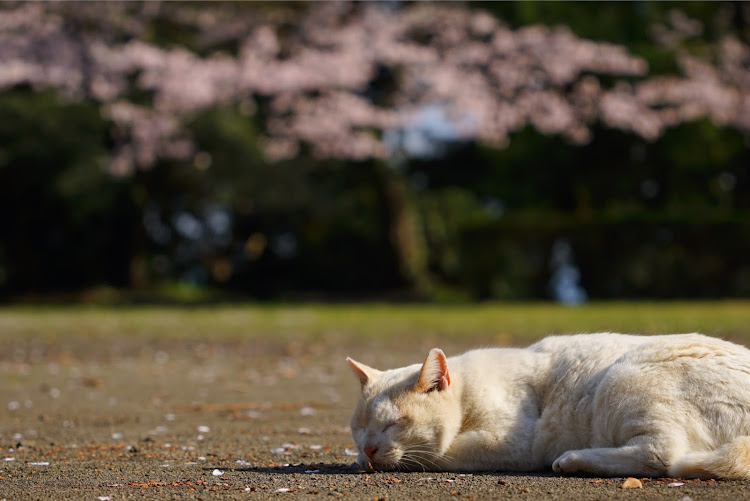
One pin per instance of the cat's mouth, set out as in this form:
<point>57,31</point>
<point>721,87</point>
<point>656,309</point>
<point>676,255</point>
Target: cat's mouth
<point>388,463</point>
<point>371,467</point>
<point>410,458</point>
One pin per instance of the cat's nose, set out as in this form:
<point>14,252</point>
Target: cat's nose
<point>370,451</point>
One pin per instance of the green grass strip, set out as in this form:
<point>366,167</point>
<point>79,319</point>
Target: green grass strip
<point>518,321</point>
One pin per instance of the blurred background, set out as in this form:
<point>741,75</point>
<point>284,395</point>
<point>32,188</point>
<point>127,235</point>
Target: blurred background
<point>392,150</point>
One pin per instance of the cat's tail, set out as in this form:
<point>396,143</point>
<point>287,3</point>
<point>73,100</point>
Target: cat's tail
<point>730,461</point>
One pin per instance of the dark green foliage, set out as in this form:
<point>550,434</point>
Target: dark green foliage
<point>663,219</point>
<point>300,226</point>
<point>66,221</point>
<point>644,255</point>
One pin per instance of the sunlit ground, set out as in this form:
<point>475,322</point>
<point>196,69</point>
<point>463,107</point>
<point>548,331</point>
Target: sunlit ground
<point>254,400</point>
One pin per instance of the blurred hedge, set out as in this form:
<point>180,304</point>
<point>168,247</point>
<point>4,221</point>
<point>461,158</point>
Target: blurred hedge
<point>639,255</point>
<point>476,222</point>
<point>66,222</point>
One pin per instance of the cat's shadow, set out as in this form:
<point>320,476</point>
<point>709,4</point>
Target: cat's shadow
<point>305,469</point>
<point>354,469</point>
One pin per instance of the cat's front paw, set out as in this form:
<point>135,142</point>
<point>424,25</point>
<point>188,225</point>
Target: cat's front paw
<point>567,463</point>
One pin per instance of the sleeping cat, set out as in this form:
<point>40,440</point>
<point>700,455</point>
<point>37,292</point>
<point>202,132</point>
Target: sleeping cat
<point>602,404</point>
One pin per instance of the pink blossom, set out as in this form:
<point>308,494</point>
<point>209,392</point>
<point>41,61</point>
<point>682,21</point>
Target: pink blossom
<point>489,80</point>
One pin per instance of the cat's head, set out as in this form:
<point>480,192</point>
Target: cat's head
<point>405,418</point>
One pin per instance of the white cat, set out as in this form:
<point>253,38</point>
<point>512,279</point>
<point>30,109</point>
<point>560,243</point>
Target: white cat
<point>602,404</point>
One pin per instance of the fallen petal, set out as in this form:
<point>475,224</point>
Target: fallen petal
<point>631,483</point>
<point>217,473</point>
<point>675,484</point>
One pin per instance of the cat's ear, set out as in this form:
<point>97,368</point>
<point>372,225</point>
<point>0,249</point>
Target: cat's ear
<point>364,373</point>
<point>434,374</point>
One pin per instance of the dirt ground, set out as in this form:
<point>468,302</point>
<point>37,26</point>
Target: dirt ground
<point>245,419</point>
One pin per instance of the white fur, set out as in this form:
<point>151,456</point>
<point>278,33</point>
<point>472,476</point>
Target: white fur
<point>603,404</point>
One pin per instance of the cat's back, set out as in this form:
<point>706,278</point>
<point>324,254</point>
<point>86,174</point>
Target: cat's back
<point>578,363</point>
<point>608,346</point>
<point>604,344</point>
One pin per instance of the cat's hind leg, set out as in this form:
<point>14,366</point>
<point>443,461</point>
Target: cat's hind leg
<point>629,460</point>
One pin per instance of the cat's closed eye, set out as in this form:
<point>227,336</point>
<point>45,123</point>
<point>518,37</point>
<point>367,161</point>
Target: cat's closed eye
<point>392,424</point>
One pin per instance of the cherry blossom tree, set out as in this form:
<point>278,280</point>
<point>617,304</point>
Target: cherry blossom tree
<point>313,74</point>
<point>358,81</point>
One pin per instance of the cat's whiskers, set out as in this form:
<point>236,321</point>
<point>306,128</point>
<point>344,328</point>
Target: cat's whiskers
<point>424,448</point>
<point>420,454</point>
<point>406,460</point>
